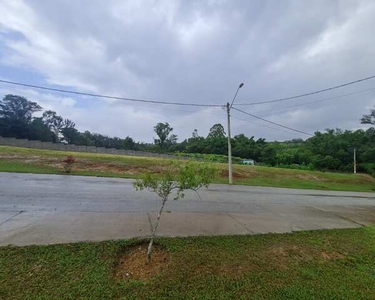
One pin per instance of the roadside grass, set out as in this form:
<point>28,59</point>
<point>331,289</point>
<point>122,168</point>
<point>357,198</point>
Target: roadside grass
<point>329,264</point>
<point>25,160</point>
<point>21,167</point>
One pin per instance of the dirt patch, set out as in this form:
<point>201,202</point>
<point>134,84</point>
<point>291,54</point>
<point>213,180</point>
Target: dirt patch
<point>282,256</point>
<point>228,269</point>
<point>225,174</point>
<point>86,165</point>
<point>132,263</point>
<point>331,256</point>
<point>114,167</point>
<point>310,177</point>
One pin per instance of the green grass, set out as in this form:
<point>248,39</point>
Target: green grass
<point>330,264</point>
<point>20,167</point>
<point>15,159</point>
<point>304,179</point>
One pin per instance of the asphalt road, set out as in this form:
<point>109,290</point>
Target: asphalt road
<point>44,209</point>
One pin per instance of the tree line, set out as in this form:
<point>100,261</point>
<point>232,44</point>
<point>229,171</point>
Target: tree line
<point>329,150</point>
<point>17,120</point>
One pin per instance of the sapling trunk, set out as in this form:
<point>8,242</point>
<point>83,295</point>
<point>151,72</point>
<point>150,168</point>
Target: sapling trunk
<point>149,249</point>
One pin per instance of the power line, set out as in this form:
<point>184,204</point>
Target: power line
<point>263,125</point>
<point>308,94</point>
<point>108,97</point>
<point>177,109</point>
<point>317,101</point>
<point>265,120</point>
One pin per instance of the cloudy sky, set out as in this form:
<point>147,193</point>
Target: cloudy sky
<point>192,52</point>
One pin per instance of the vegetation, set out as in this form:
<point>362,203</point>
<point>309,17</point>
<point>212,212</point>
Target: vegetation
<point>330,150</point>
<point>68,163</point>
<point>176,177</point>
<point>209,157</point>
<point>164,139</point>
<point>15,159</point>
<point>330,264</point>
<point>16,120</point>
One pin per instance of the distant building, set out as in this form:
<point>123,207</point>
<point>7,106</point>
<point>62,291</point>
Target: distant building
<point>250,162</point>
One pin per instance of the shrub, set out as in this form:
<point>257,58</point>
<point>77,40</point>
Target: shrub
<point>68,163</point>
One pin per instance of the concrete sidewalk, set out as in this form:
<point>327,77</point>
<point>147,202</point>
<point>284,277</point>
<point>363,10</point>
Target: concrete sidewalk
<point>25,228</point>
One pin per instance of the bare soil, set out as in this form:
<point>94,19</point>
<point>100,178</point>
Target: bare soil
<point>132,263</point>
<point>281,256</point>
<point>224,174</point>
<point>310,177</point>
<point>86,165</point>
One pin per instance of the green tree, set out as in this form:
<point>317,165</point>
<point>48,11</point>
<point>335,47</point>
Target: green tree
<point>54,122</point>
<point>173,139</point>
<point>370,118</point>
<point>179,178</point>
<point>162,130</point>
<point>69,132</point>
<point>243,146</point>
<point>195,134</point>
<point>39,131</point>
<point>216,131</point>
<point>128,143</point>
<point>16,115</point>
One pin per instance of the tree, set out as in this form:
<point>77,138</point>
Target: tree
<point>38,130</point>
<point>69,132</point>
<point>128,143</point>
<point>173,139</point>
<point>216,131</point>
<point>369,119</point>
<point>16,115</point>
<point>178,177</point>
<point>162,130</point>
<point>243,146</point>
<point>18,108</point>
<point>54,122</point>
<point>195,134</point>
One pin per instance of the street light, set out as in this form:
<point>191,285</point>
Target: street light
<point>229,106</point>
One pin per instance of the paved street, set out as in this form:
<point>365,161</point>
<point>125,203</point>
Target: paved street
<point>45,209</point>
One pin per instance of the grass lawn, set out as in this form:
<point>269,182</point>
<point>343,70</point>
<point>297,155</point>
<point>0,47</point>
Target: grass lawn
<point>330,264</point>
<point>15,159</point>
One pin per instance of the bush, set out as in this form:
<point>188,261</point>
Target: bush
<point>326,163</point>
<point>368,168</point>
<point>68,163</point>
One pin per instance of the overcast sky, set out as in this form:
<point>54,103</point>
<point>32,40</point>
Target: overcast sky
<point>192,52</point>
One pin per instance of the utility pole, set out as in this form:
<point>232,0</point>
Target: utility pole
<point>355,162</point>
<point>229,106</point>
<point>230,172</point>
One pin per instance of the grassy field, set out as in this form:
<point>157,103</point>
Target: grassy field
<point>15,159</point>
<point>331,264</point>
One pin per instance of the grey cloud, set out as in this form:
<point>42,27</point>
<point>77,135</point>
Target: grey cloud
<point>198,51</point>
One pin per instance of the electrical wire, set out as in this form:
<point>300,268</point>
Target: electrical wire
<point>173,108</point>
<point>108,97</point>
<point>308,94</point>
<point>263,125</point>
<point>180,109</point>
<point>274,123</point>
<point>317,101</point>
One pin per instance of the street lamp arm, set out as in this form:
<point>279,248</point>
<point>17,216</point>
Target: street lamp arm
<point>235,95</point>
